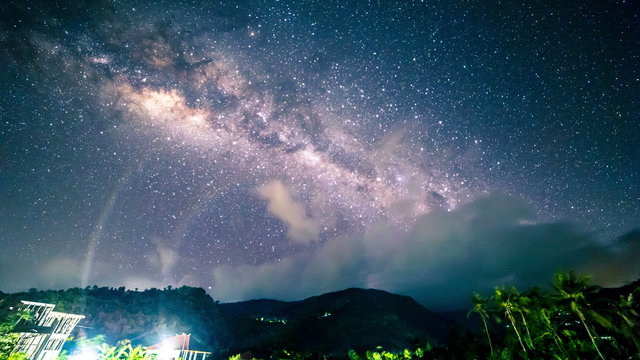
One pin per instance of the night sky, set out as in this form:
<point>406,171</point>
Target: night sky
<point>283,149</point>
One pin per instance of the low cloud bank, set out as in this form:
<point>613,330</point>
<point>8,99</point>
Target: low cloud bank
<point>440,260</point>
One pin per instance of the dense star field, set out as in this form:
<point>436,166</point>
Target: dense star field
<point>287,148</point>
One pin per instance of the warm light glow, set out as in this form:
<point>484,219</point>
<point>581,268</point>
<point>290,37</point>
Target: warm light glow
<point>197,119</point>
<point>158,103</point>
<point>167,112</point>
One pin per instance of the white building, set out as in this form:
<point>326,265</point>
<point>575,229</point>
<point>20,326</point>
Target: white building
<point>42,337</point>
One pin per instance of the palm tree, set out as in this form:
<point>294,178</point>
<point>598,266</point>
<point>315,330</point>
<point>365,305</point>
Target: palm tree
<point>480,308</point>
<point>625,319</point>
<point>540,311</point>
<point>521,304</point>
<point>503,300</point>
<point>550,329</point>
<point>572,291</point>
<point>123,351</point>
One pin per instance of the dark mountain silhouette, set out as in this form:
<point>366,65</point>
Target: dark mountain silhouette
<point>624,291</point>
<point>141,316</point>
<point>329,324</point>
<point>335,322</point>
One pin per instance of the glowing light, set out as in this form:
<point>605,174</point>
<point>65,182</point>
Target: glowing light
<point>197,119</point>
<point>310,157</point>
<point>86,353</point>
<point>365,184</point>
<point>104,60</point>
<point>166,351</point>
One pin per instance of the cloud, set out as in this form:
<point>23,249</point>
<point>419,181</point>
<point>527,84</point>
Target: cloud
<point>165,257</point>
<point>53,272</point>
<point>301,229</point>
<point>60,272</point>
<point>336,265</point>
<point>439,261</point>
<point>616,266</point>
<point>141,283</point>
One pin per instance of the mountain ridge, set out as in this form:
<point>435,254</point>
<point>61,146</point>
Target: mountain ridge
<point>330,323</point>
<point>337,321</point>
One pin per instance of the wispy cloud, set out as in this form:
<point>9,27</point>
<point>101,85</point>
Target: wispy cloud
<point>301,229</point>
<point>165,257</point>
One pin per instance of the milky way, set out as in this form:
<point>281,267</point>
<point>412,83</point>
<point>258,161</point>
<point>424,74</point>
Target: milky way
<point>175,142</point>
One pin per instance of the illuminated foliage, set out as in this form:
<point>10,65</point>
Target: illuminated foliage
<point>574,321</point>
<point>9,339</point>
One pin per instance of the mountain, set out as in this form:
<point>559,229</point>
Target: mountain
<point>335,322</point>
<point>622,291</point>
<point>141,316</point>
<point>331,323</point>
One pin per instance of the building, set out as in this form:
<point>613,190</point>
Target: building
<point>42,336</point>
<point>175,348</point>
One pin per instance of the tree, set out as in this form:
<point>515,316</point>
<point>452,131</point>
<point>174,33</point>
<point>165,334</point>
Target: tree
<point>123,351</point>
<point>520,304</point>
<point>9,339</point>
<point>572,292</point>
<point>480,308</point>
<point>503,299</point>
<point>624,319</point>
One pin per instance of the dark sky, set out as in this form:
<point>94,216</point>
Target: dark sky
<point>287,148</point>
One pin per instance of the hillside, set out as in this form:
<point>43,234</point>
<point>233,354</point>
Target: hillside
<point>335,322</point>
<point>141,316</point>
<point>330,323</point>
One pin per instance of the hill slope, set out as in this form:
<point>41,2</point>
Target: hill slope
<point>330,323</point>
<point>334,322</point>
<point>139,316</point>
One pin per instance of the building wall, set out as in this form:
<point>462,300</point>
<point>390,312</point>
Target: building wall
<point>48,331</point>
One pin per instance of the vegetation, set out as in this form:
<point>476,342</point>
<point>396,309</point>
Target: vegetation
<point>123,351</point>
<point>8,339</point>
<point>119,314</point>
<point>573,320</point>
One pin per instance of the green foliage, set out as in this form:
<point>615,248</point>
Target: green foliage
<point>373,355</point>
<point>123,351</point>
<point>480,308</point>
<point>98,349</point>
<point>9,339</point>
<point>380,354</point>
<point>353,355</point>
<point>407,354</point>
<point>63,355</point>
<point>123,314</point>
<point>572,322</point>
<point>17,356</point>
<point>293,355</point>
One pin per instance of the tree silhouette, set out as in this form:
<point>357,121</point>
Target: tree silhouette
<point>572,292</point>
<point>503,299</point>
<point>480,308</point>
